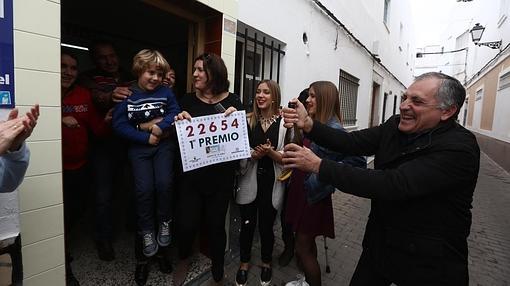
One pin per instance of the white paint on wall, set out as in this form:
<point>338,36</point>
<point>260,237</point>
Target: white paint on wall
<point>319,60</point>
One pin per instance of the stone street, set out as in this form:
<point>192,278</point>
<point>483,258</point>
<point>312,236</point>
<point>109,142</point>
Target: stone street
<point>489,242</point>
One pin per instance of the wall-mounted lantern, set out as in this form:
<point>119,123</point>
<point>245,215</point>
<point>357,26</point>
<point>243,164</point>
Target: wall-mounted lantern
<point>476,36</point>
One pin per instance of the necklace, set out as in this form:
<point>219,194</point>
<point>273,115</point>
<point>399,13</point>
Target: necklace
<point>266,122</point>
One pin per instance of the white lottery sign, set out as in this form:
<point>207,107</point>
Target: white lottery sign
<point>212,139</point>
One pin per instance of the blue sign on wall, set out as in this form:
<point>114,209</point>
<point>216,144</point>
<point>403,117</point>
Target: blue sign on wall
<point>6,55</point>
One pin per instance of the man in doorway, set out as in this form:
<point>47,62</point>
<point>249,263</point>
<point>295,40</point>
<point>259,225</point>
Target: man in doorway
<point>109,157</point>
<point>425,171</point>
<point>110,85</point>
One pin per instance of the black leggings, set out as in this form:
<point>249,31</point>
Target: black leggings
<point>263,207</point>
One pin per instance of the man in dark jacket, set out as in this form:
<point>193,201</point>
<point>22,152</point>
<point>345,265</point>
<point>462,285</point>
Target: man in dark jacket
<point>108,155</point>
<point>426,167</point>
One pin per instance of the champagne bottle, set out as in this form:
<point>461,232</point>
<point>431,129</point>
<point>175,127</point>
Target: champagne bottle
<point>292,135</point>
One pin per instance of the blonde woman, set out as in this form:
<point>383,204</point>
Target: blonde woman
<point>261,194</point>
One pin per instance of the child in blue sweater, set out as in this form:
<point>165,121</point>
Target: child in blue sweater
<point>150,152</point>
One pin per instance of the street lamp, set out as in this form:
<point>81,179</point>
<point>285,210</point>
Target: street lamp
<point>476,35</point>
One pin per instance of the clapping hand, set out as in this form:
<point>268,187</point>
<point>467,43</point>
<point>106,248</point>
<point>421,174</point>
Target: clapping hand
<point>262,150</point>
<point>15,130</point>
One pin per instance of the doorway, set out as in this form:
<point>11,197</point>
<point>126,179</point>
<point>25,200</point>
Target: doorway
<point>175,28</point>
<point>374,111</point>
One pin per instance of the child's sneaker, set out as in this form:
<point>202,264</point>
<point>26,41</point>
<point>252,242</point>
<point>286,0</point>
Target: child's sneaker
<point>150,247</point>
<point>164,234</point>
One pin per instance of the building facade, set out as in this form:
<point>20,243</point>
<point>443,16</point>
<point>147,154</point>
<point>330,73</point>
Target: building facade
<point>364,47</point>
<point>485,71</point>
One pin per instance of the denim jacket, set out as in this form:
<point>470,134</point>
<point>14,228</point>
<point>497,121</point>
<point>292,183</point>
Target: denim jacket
<point>317,190</point>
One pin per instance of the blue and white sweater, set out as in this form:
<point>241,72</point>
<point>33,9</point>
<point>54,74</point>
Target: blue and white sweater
<point>143,106</point>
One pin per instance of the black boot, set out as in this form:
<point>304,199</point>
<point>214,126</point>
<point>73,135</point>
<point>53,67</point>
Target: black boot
<point>141,273</point>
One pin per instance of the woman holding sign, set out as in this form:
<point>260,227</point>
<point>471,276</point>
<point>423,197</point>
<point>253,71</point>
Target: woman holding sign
<point>205,192</point>
<point>260,193</point>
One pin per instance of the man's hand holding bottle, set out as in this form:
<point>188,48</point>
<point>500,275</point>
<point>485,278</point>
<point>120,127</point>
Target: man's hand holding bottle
<point>293,135</point>
<point>297,115</point>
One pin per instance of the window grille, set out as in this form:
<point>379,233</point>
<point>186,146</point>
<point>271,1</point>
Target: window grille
<point>348,89</point>
<point>258,57</point>
<point>504,81</point>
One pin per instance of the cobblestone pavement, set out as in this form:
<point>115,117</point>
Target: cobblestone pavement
<point>489,242</point>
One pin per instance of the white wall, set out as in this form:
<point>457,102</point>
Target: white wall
<point>365,19</point>
<point>37,72</point>
<point>287,20</point>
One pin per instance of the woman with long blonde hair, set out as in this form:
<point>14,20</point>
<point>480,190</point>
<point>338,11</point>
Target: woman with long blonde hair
<point>260,193</point>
